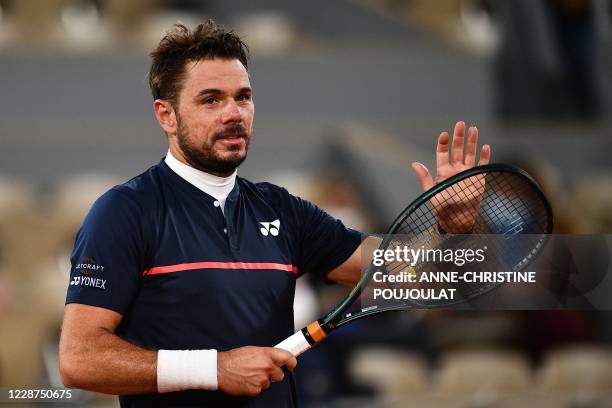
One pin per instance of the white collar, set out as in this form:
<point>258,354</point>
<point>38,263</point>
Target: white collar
<point>218,187</point>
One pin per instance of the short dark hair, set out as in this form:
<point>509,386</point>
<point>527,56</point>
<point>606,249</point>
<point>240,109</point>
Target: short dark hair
<point>181,46</point>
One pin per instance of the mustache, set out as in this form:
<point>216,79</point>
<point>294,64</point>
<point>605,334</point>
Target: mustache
<point>231,131</point>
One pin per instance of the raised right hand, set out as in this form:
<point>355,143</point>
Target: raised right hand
<point>456,210</point>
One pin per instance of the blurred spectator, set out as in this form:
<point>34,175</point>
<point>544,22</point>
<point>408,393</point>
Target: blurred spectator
<point>551,59</point>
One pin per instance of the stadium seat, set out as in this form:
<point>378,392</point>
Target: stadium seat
<point>483,371</point>
<point>391,372</point>
<point>579,371</point>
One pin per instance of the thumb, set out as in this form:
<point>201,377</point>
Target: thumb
<point>423,175</point>
<point>282,357</point>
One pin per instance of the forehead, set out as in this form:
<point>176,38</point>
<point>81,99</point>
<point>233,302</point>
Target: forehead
<point>226,75</point>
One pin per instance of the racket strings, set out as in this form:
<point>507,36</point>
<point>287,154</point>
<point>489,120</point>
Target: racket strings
<point>501,213</point>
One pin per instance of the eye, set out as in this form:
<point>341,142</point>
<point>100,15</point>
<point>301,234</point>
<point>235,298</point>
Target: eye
<point>245,97</point>
<point>210,100</point>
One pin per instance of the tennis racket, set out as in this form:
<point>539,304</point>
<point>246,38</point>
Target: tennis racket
<point>496,206</point>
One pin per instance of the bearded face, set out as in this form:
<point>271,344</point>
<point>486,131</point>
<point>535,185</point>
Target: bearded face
<point>220,154</point>
<point>214,116</point>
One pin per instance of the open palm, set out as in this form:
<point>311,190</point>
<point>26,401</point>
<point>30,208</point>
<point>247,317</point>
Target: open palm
<point>456,210</point>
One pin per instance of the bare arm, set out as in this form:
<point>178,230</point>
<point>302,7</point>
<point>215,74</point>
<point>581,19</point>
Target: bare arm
<point>93,357</point>
<point>349,272</point>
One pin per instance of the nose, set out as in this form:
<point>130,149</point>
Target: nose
<point>231,113</point>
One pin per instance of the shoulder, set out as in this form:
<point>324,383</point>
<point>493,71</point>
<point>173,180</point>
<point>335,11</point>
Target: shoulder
<point>270,193</point>
<point>143,187</point>
<point>281,200</point>
<point>134,197</point>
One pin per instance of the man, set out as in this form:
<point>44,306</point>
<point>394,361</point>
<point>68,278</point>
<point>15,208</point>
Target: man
<point>184,276</point>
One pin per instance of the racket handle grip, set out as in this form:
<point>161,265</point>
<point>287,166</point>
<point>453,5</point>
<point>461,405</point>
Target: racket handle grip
<point>296,344</point>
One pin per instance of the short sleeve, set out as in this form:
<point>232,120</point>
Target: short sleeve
<point>324,242</point>
<point>108,257</point>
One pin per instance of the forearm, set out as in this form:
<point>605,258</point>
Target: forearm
<point>106,363</point>
<point>350,271</point>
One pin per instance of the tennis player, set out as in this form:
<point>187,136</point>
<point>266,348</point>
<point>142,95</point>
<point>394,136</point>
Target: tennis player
<point>184,276</point>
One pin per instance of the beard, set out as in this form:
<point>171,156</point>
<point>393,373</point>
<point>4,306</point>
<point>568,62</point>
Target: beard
<point>204,157</point>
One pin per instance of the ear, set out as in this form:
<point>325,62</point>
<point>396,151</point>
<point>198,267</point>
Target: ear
<point>165,115</point>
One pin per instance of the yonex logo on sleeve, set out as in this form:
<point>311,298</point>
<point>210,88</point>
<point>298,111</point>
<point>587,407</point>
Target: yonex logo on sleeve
<point>271,228</point>
<point>88,281</point>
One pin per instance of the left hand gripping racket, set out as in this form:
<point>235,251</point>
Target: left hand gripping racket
<point>495,205</point>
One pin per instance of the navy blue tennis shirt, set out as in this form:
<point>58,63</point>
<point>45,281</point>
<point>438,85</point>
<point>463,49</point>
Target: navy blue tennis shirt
<point>186,275</point>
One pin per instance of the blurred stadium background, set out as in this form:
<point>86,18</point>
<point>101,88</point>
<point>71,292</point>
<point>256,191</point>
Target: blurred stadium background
<point>348,94</point>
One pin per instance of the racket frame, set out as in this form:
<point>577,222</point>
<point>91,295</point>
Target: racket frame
<point>316,331</point>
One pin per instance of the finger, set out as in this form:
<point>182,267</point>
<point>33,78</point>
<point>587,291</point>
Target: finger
<point>276,375</point>
<point>282,357</point>
<point>265,384</point>
<point>291,363</point>
<point>472,144</point>
<point>458,139</point>
<point>254,391</point>
<point>423,175</point>
<point>485,155</point>
<point>442,150</point>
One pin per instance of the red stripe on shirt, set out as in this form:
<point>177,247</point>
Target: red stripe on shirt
<point>220,265</point>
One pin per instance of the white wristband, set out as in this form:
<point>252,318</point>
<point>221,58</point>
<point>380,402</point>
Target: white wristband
<point>180,370</point>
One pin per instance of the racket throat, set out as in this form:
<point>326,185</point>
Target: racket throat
<point>314,332</point>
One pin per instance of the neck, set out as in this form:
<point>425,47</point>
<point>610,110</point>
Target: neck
<point>215,185</point>
<point>179,156</point>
